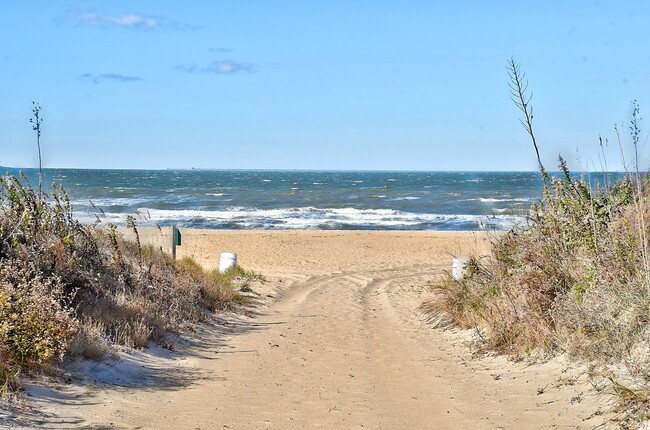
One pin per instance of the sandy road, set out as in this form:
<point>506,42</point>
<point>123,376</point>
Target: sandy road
<point>345,348</point>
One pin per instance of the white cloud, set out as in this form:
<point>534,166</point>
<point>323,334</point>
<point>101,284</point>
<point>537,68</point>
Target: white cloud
<point>225,67</point>
<point>134,20</point>
<point>229,66</point>
<point>131,20</point>
<point>115,77</point>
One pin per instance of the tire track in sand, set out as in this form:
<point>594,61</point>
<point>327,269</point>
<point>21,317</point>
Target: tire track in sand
<point>336,351</point>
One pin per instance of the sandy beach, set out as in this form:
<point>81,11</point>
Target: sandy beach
<point>338,341</point>
<point>348,154</point>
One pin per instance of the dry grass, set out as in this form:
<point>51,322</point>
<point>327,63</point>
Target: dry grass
<point>572,281</point>
<point>567,282</point>
<point>575,279</point>
<point>68,289</point>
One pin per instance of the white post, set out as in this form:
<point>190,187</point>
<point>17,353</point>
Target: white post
<point>227,260</point>
<point>459,268</point>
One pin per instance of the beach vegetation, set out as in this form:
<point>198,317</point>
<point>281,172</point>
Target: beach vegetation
<point>573,279</point>
<point>36,120</point>
<point>70,290</point>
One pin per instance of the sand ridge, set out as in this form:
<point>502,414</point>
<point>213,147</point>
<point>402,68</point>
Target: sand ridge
<point>341,344</point>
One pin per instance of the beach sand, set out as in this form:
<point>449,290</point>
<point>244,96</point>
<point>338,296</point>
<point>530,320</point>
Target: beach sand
<point>337,342</point>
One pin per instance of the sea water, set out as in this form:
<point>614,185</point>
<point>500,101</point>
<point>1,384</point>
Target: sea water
<point>288,199</point>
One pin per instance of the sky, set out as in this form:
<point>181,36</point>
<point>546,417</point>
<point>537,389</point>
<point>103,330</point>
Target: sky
<point>351,85</point>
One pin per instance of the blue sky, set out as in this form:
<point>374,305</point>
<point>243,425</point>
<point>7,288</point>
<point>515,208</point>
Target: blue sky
<point>318,84</point>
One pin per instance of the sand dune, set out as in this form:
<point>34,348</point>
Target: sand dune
<point>339,342</point>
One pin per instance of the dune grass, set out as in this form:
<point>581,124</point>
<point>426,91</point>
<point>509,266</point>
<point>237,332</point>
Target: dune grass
<point>74,290</point>
<point>574,279</point>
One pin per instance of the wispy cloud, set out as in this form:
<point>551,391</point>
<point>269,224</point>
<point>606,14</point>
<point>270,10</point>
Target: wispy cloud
<point>225,67</point>
<point>228,67</point>
<point>115,77</point>
<point>219,50</point>
<point>132,20</point>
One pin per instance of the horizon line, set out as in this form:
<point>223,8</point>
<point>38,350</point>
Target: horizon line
<point>201,169</point>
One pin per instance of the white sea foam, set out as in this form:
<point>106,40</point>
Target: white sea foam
<point>91,218</point>
<point>406,198</point>
<point>492,200</point>
<point>109,201</point>
<point>309,218</point>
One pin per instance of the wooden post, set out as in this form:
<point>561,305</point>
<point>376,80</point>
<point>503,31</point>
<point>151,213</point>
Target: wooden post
<point>172,241</point>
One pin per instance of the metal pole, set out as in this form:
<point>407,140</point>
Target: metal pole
<point>172,234</point>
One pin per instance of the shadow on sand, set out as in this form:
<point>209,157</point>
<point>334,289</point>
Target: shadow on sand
<point>152,369</point>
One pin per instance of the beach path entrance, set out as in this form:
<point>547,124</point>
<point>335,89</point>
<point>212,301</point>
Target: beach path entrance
<point>342,344</point>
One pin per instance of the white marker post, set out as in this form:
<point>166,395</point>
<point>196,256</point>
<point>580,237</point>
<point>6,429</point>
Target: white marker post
<point>228,260</point>
<point>459,268</point>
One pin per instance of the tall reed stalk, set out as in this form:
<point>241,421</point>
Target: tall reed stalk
<point>36,121</point>
<point>518,90</point>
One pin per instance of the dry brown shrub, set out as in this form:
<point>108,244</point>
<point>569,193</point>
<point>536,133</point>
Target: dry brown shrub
<point>90,341</point>
<point>35,323</point>
<point>68,288</point>
<point>574,280</point>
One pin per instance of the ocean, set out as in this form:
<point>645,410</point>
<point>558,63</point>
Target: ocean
<point>288,199</point>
